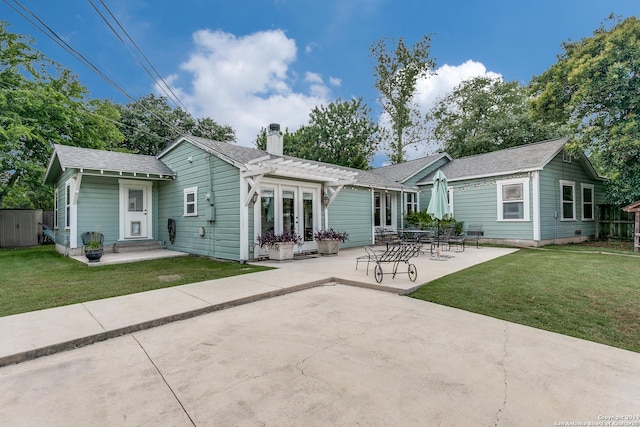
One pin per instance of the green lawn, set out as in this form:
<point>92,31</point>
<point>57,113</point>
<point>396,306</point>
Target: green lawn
<point>36,278</point>
<point>584,294</point>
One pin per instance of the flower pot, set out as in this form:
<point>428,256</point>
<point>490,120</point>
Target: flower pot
<point>93,255</point>
<point>281,251</point>
<point>328,247</point>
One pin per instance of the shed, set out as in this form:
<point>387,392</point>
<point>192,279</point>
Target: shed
<point>20,227</point>
<point>635,208</point>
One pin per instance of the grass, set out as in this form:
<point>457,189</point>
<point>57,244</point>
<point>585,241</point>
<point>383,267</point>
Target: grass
<point>584,294</point>
<point>37,278</point>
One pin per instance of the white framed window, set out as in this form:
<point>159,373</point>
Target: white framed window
<point>567,200</point>
<point>410,203</point>
<point>566,156</point>
<point>191,201</point>
<point>513,200</point>
<point>55,208</point>
<point>67,204</point>
<point>588,213</point>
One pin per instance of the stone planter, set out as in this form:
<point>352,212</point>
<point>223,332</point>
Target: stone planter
<point>328,247</point>
<point>281,251</point>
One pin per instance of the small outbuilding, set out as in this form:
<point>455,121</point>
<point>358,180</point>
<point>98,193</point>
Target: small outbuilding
<point>635,208</point>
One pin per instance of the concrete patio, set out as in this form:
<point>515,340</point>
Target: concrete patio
<point>30,335</point>
<point>320,343</point>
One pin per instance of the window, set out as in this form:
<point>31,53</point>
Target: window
<point>567,200</point>
<point>566,156</point>
<point>67,204</point>
<point>513,200</point>
<point>377,209</point>
<point>410,202</point>
<point>587,202</point>
<point>55,208</point>
<point>191,201</point>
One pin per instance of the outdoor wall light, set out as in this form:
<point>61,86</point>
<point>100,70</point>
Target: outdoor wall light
<point>254,198</point>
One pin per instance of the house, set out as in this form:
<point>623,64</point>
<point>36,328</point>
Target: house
<point>530,195</point>
<point>212,198</point>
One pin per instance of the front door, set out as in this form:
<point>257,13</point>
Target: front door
<point>135,210</point>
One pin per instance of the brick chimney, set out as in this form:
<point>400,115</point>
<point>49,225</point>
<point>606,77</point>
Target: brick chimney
<point>275,141</point>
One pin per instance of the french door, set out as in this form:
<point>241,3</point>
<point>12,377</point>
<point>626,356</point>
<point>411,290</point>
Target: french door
<point>286,207</point>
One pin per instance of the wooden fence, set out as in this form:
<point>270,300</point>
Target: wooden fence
<point>614,223</point>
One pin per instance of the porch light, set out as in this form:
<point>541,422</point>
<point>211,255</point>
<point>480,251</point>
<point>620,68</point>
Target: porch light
<point>325,199</point>
<point>254,198</point>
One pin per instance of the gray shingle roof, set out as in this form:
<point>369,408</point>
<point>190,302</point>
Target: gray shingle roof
<point>403,171</point>
<point>523,158</point>
<point>88,158</point>
<point>240,155</point>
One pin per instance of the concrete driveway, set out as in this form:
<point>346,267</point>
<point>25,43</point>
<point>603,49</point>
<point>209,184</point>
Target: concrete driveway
<point>333,355</point>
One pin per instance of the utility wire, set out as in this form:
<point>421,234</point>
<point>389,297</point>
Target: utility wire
<point>37,22</point>
<point>158,79</point>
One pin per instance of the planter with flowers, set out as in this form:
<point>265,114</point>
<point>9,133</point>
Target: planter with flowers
<point>280,245</point>
<point>329,240</point>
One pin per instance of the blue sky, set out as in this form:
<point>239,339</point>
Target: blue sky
<point>250,63</point>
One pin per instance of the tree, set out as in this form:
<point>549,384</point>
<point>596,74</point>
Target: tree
<point>342,133</point>
<point>396,76</point>
<point>595,88</point>
<point>41,104</point>
<point>149,122</point>
<point>485,114</point>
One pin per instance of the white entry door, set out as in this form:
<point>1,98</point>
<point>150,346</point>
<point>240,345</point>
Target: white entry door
<point>135,210</point>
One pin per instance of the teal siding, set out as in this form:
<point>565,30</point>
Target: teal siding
<point>550,199</point>
<point>352,211</point>
<point>476,202</point>
<point>99,208</point>
<point>220,216</point>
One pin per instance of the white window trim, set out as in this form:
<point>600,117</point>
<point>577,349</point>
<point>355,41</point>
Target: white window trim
<point>68,190</point>
<point>414,202</point>
<point>450,193</point>
<point>525,196</point>
<point>194,191</point>
<point>56,206</point>
<point>593,203</point>
<point>571,184</point>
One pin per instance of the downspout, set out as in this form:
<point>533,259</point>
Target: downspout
<point>536,207</point>
<point>211,208</point>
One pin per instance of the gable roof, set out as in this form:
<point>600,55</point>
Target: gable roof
<point>102,161</point>
<point>523,158</point>
<point>402,172</point>
<point>246,158</point>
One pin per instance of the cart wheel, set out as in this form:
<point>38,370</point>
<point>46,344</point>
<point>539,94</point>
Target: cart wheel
<point>377,272</point>
<point>413,272</point>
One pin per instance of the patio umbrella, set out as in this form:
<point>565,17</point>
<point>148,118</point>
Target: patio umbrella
<point>439,204</point>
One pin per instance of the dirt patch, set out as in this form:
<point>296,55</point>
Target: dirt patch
<point>610,244</point>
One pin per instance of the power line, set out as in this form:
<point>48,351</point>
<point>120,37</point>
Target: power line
<point>158,79</point>
<point>49,32</point>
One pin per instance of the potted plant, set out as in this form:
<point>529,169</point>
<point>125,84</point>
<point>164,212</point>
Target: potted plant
<point>329,240</point>
<point>92,242</point>
<point>280,245</point>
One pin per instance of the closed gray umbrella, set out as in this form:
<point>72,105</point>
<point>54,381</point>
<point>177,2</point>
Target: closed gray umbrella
<point>439,204</point>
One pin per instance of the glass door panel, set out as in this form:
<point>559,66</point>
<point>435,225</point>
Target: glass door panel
<point>288,210</point>
<point>267,211</point>
<point>307,216</point>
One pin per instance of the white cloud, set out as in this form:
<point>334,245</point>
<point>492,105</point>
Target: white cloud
<point>447,77</point>
<point>246,82</point>
<point>335,81</point>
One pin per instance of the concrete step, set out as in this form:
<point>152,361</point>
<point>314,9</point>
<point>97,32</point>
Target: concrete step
<point>136,246</point>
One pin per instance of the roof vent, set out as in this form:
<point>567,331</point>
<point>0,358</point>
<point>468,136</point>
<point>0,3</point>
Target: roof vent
<point>274,127</point>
